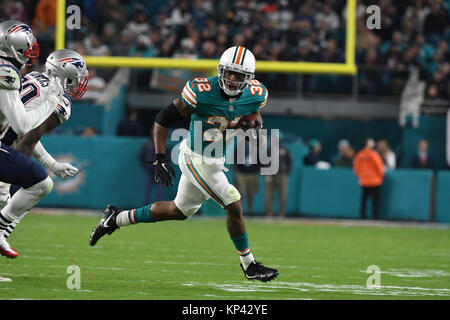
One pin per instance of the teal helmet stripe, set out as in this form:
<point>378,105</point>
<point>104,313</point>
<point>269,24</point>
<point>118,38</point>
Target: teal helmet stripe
<point>243,57</point>
<point>235,52</point>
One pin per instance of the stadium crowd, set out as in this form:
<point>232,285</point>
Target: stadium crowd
<point>413,33</point>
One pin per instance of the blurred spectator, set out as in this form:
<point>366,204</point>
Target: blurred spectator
<point>96,85</point>
<point>305,50</point>
<point>437,87</point>
<point>422,160</point>
<point>386,154</point>
<point>279,181</point>
<point>146,158</point>
<point>369,168</point>
<point>45,14</point>
<point>88,132</point>
<point>209,50</point>
<point>437,20</point>
<point>180,14</point>
<point>140,23</point>
<point>187,50</point>
<point>344,158</point>
<point>143,47</point>
<point>341,146</point>
<point>331,53</point>
<point>130,126</point>
<point>312,158</point>
<point>417,14</point>
<point>329,17</point>
<point>112,12</point>
<point>94,47</point>
<point>14,10</point>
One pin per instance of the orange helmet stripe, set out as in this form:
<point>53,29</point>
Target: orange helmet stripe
<point>238,59</point>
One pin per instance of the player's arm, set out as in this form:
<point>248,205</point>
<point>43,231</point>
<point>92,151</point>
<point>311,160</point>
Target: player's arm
<point>168,116</point>
<point>27,143</point>
<point>61,169</point>
<point>12,108</point>
<point>11,104</point>
<point>259,118</point>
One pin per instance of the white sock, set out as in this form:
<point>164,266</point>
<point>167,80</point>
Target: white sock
<point>25,199</point>
<point>123,219</point>
<point>246,260</point>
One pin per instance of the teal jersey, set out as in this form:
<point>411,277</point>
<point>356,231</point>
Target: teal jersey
<point>214,112</point>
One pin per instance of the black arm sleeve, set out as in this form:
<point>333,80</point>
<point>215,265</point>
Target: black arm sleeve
<point>169,115</point>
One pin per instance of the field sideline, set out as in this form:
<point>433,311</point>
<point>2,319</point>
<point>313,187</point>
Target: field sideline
<point>195,259</point>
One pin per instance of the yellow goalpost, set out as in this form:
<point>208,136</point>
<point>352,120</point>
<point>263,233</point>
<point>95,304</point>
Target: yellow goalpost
<point>210,65</point>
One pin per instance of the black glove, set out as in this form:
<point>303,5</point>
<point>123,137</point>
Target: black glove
<point>163,170</point>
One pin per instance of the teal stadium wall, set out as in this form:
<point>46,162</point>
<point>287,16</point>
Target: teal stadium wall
<point>110,172</point>
<point>443,196</point>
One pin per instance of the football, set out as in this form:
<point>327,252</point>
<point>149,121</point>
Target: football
<point>247,122</point>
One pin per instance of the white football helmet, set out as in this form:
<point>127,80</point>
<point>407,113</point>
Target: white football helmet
<point>70,67</point>
<point>238,62</point>
<point>17,41</point>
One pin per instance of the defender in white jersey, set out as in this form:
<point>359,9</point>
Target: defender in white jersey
<point>38,91</point>
<point>18,47</point>
<point>65,66</point>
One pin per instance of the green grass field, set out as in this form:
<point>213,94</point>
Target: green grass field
<point>195,259</point>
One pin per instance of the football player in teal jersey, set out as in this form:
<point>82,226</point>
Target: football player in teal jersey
<point>215,105</point>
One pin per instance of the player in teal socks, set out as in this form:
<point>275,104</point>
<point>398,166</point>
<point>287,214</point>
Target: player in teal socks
<point>215,105</point>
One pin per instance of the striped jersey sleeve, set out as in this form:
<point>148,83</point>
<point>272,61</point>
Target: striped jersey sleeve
<point>266,96</point>
<point>188,95</point>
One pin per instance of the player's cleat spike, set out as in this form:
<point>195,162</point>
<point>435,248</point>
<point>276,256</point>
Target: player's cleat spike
<point>256,271</point>
<point>106,226</point>
<point>5,249</point>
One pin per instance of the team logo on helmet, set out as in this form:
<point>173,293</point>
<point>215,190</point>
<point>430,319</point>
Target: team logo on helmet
<point>75,61</point>
<point>22,27</point>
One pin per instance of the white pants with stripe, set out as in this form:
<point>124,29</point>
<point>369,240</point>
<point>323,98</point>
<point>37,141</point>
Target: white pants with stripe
<point>202,178</point>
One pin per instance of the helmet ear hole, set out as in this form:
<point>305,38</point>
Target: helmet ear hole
<point>69,81</point>
<point>20,51</point>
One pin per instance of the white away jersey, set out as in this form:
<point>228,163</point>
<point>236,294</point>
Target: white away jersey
<point>41,97</point>
<point>36,89</point>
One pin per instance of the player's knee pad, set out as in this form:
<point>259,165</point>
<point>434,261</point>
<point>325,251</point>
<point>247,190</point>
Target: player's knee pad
<point>42,188</point>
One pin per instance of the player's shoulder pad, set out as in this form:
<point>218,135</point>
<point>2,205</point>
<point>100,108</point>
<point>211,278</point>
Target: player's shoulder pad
<point>10,78</point>
<point>195,89</point>
<point>64,108</point>
<point>259,90</point>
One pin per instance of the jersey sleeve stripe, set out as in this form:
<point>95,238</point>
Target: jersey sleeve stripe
<point>190,102</point>
<point>190,91</point>
<point>187,94</point>
<point>265,100</point>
